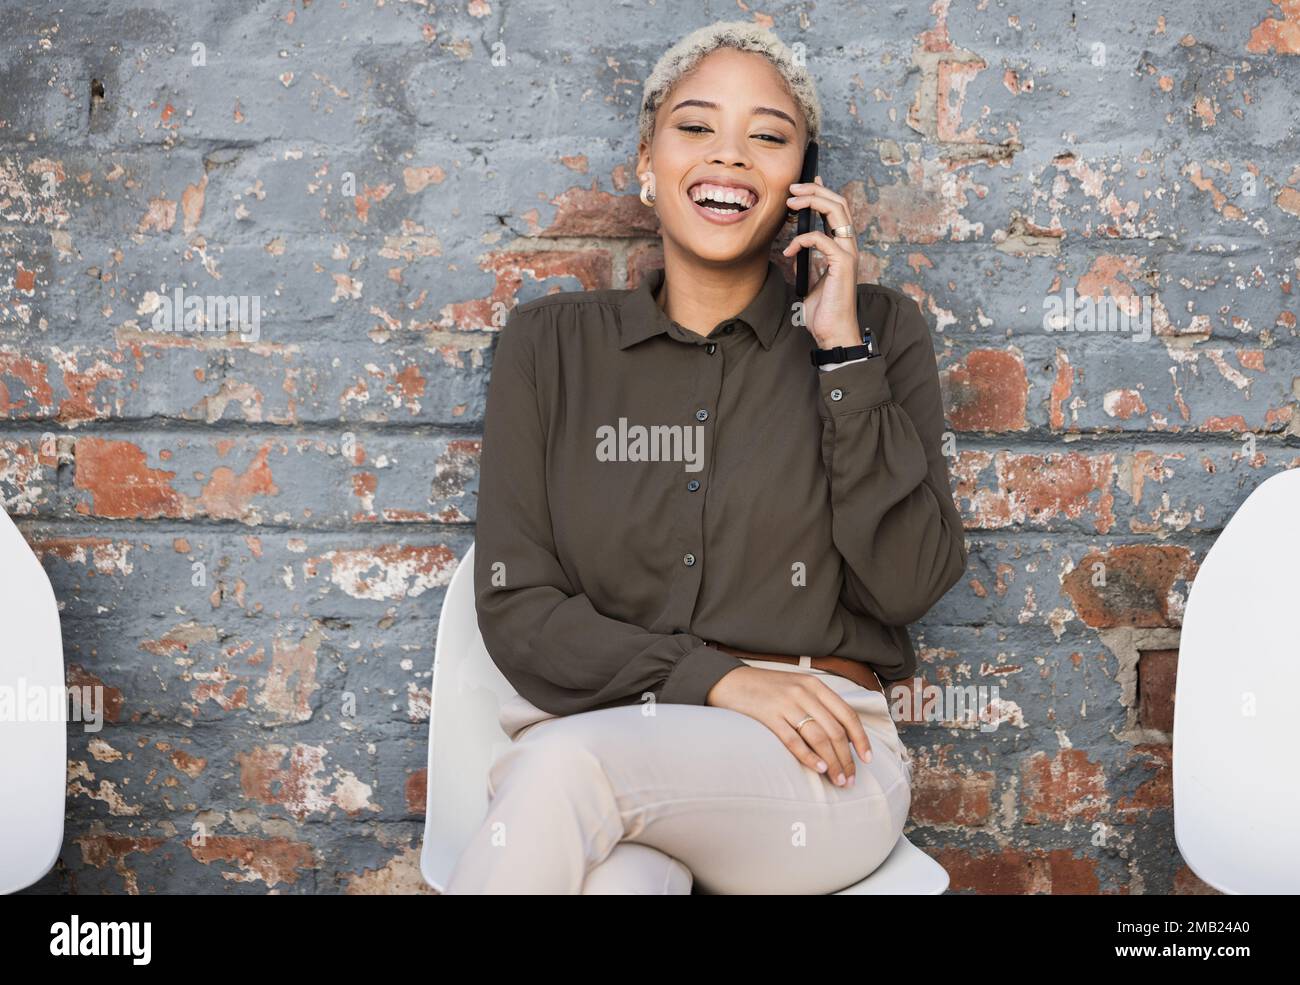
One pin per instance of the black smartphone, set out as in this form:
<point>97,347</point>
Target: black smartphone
<point>805,221</point>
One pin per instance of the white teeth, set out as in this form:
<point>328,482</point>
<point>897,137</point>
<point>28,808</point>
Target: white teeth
<point>716,193</point>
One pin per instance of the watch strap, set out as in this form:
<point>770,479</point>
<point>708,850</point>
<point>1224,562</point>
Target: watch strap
<point>843,353</point>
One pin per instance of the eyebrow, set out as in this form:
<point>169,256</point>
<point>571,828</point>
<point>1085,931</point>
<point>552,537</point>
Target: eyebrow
<point>767,110</point>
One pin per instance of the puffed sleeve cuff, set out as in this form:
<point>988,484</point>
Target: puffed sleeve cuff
<point>857,385</point>
<point>695,673</point>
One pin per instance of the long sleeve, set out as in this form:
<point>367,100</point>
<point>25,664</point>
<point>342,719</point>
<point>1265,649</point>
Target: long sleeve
<point>893,517</point>
<point>548,640</point>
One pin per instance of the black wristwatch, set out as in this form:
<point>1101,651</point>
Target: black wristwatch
<point>843,353</point>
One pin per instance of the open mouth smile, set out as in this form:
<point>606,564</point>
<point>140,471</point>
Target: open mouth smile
<point>719,203</point>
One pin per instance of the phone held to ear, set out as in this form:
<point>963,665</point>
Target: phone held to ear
<point>822,357</point>
<point>805,221</point>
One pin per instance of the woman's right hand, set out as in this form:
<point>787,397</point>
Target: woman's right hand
<point>780,699</point>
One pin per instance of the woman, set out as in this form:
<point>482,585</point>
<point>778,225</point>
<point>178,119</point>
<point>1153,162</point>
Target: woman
<point>695,543</point>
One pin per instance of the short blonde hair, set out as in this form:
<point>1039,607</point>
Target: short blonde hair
<point>743,36</point>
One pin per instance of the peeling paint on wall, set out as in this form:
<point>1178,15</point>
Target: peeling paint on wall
<point>249,537</point>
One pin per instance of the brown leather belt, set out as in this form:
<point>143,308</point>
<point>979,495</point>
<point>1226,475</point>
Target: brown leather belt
<point>856,671</point>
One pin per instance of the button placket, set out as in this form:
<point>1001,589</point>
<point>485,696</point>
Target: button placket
<point>709,387</point>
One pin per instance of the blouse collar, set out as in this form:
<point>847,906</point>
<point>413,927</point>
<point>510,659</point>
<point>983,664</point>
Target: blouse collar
<point>640,317</point>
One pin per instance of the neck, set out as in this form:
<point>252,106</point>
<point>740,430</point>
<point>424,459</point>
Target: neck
<point>697,296</point>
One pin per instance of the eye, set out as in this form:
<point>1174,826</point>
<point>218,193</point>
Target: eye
<point>766,137</point>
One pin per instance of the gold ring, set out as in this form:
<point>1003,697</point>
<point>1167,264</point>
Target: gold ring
<point>803,723</point>
<point>843,232</point>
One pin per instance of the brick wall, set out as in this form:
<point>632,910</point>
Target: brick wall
<point>249,534</point>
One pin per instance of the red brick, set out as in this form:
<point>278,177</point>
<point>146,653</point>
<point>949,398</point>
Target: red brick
<point>1140,579</point>
<point>1157,674</point>
<point>987,391</point>
<point>417,791</point>
<point>1154,794</point>
<point>271,860</point>
<point>1017,873</point>
<point>77,676</point>
<point>592,268</point>
<point>1036,489</point>
<point>584,212</point>
<point>1278,35</point>
<point>1064,787</point>
<point>951,796</point>
<point>121,484</point>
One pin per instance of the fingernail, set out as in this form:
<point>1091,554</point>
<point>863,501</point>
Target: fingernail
<point>852,779</point>
<point>821,767</point>
<point>867,757</point>
<point>840,779</point>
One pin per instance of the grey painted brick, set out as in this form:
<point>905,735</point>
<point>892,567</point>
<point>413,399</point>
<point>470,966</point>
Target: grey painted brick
<point>134,462</point>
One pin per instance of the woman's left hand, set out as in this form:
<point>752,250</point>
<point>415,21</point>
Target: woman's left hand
<point>830,309</point>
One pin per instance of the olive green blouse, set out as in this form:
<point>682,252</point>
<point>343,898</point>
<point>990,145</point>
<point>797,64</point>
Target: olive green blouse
<point>644,488</point>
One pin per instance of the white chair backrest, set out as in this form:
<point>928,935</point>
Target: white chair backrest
<point>1236,795</point>
<point>464,731</point>
<point>33,727</point>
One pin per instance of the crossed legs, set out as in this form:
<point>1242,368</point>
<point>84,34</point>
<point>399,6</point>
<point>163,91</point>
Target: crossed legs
<point>620,801</point>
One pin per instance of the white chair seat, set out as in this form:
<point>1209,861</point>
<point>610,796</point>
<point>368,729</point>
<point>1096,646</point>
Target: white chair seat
<point>465,737</point>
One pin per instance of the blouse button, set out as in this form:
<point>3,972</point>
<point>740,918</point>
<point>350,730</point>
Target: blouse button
<point>693,485</point>
<point>710,347</point>
<point>701,414</point>
<point>837,393</point>
<point>689,559</point>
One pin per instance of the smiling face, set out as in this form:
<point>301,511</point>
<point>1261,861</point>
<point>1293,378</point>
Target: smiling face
<point>728,141</point>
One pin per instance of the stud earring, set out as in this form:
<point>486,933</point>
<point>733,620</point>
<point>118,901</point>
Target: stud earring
<point>648,190</point>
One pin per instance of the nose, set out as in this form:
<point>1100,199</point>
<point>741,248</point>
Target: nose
<point>730,161</point>
<point>729,151</point>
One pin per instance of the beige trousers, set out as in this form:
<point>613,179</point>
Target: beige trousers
<point>650,800</point>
